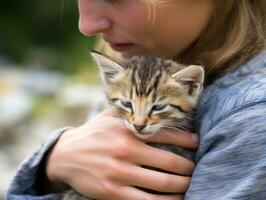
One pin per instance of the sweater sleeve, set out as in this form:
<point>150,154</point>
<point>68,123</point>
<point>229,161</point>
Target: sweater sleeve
<point>232,159</point>
<point>23,185</point>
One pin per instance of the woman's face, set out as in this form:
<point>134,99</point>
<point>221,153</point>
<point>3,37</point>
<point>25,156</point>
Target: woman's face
<point>133,28</point>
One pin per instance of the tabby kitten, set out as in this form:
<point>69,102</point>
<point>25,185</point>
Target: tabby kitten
<point>151,94</point>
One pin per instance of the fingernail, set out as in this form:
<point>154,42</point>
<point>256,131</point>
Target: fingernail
<point>195,138</point>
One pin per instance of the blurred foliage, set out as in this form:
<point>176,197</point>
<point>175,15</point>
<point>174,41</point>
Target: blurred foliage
<point>44,33</point>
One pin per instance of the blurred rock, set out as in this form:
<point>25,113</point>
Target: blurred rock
<point>15,103</point>
<point>10,80</point>
<point>80,95</point>
<point>14,107</point>
<point>42,83</point>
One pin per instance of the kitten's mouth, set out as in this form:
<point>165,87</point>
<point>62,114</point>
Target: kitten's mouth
<point>143,134</point>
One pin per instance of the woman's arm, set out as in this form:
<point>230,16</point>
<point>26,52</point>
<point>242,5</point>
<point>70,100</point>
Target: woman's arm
<point>232,162</point>
<point>25,185</point>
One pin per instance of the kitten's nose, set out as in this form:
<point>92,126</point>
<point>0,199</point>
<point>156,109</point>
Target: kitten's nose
<point>139,127</point>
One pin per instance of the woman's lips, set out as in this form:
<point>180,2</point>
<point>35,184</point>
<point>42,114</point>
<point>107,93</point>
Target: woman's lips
<point>122,47</point>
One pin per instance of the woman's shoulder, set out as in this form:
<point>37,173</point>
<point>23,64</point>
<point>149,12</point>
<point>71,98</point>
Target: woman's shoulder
<point>240,89</point>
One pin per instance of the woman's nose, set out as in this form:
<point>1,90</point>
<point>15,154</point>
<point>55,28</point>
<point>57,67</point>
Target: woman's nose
<point>93,17</point>
<point>90,26</point>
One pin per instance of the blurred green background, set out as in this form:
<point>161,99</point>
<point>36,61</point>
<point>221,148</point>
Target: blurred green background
<point>46,30</point>
<point>47,78</point>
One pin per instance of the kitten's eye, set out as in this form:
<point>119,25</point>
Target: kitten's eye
<point>158,107</point>
<point>126,104</point>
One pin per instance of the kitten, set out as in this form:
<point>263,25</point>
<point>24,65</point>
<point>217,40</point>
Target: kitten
<point>151,94</point>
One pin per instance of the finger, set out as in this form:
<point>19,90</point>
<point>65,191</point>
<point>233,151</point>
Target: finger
<point>131,193</point>
<point>168,161</point>
<point>176,137</point>
<point>154,180</point>
<point>136,194</point>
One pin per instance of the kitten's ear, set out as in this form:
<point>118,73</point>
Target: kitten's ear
<point>191,78</point>
<point>109,69</point>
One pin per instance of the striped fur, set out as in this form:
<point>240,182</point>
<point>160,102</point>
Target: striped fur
<point>147,83</point>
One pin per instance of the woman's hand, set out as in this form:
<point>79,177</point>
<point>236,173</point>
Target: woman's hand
<point>103,160</point>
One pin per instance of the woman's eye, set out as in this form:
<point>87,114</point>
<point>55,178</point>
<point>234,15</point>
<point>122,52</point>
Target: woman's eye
<point>126,104</point>
<point>158,107</point>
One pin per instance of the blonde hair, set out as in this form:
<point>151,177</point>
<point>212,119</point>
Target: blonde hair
<point>235,33</point>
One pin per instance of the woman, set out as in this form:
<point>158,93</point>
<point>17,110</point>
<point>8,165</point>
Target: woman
<point>228,38</point>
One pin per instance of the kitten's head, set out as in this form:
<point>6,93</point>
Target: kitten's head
<point>150,93</point>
